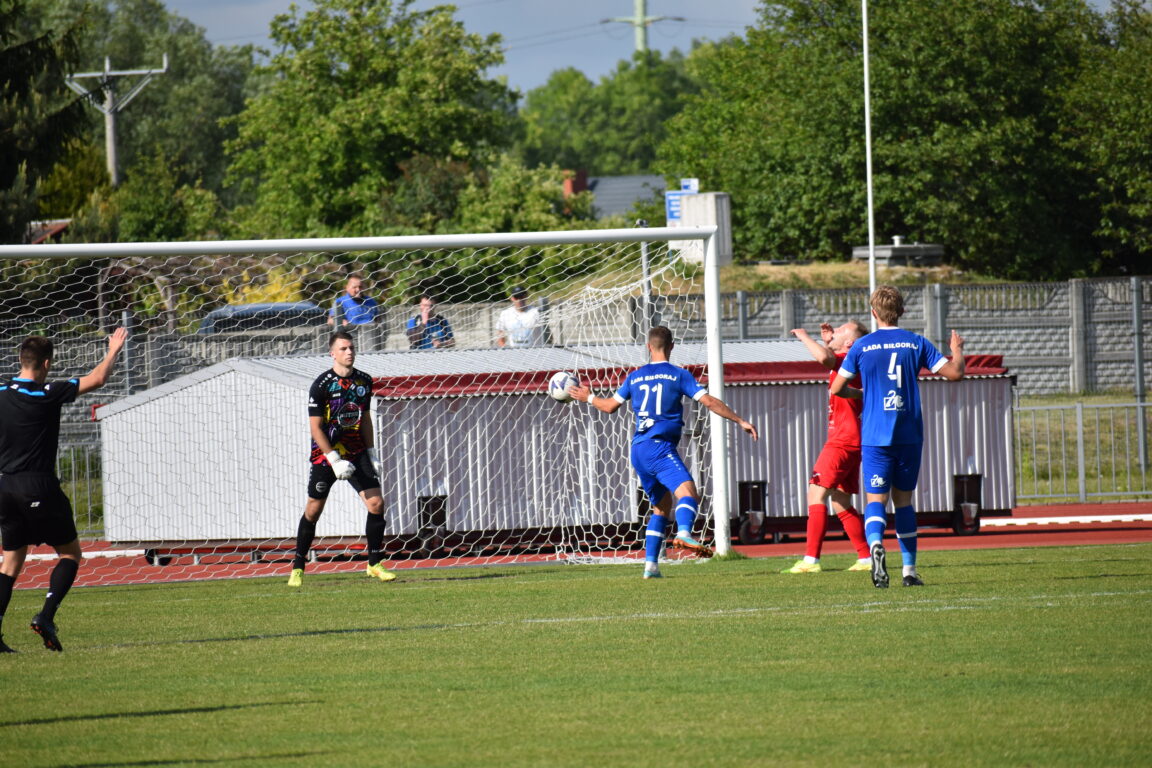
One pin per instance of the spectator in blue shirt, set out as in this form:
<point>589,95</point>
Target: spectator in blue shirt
<point>352,306</point>
<point>427,329</point>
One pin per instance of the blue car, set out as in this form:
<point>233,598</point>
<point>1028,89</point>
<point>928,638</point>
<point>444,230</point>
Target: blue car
<point>263,317</point>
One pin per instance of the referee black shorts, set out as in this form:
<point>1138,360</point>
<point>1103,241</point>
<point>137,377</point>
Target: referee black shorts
<point>321,478</point>
<point>34,510</point>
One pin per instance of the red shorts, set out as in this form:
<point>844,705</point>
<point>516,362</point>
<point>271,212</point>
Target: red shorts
<point>838,468</point>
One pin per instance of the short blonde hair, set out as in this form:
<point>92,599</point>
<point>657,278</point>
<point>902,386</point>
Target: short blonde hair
<point>888,304</point>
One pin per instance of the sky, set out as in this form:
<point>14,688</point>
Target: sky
<point>540,36</point>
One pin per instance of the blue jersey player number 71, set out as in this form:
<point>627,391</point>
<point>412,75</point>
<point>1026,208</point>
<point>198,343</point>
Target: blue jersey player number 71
<point>655,391</point>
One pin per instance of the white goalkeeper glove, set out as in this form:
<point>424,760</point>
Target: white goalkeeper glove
<point>343,469</point>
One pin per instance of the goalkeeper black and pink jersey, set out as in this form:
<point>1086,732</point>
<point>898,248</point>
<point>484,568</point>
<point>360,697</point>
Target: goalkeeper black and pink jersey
<point>343,402</point>
<point>30,423</point>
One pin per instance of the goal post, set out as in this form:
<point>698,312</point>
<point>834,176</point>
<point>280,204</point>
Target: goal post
<point>213,320</point>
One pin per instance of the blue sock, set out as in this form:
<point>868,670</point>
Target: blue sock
<point>906,533</point>
<point>654,537</point>
<point>686,514</point>
<point>874,522</point>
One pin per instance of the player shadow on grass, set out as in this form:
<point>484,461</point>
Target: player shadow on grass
<point>276,636</point>
<point>197,760</point>
<point>148,713</point>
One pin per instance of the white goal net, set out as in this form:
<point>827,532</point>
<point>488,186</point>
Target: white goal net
<point>193,460</point>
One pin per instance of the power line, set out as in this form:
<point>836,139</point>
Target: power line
<point>553,32</point>
<point>593,33</point>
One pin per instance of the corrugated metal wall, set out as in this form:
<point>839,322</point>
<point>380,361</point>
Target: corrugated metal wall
<point>234,462</point>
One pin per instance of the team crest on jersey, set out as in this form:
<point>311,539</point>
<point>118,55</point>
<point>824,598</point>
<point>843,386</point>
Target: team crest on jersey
<point>893,401</point>
<point>877,482</point>
<point>360,391</point>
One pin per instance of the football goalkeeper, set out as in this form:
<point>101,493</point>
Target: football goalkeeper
<point>339,417</point>
<point>655,391</point>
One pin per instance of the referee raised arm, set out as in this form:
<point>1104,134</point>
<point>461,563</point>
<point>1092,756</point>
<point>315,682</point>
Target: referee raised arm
<point>33,507</point>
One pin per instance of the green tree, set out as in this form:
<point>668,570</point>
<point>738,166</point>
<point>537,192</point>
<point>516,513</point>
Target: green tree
<point>611,128</point>
<point>968,99</point>
<point>38,115</point>
<point>360,88</point>
<point>1111,128</point>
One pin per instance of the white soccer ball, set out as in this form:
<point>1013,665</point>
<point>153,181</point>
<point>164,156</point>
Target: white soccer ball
<point>558,385</point>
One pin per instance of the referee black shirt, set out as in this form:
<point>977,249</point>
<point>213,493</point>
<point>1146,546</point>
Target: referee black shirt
<point>30,423</point>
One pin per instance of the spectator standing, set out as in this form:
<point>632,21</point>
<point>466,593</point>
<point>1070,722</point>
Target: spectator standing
<point>353,307</point>
<point>521,324</point>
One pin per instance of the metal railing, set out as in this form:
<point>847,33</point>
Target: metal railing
<point>1082,452</point>
<point>78,466</point>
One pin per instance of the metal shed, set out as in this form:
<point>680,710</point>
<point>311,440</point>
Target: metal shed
<point>221,454</point>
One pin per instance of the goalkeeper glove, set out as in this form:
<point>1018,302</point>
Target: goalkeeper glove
<point>343,469</point>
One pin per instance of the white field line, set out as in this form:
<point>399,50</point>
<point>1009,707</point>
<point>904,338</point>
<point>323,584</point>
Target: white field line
<point>89,553</point>
<point>1004,522</point>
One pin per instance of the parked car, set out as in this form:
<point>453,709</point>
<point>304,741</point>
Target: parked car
<point>263,317</point>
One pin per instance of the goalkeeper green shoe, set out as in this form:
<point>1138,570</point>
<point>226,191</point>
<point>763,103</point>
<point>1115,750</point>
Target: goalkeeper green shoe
<point>803,566</point>
<point>861,565</point>
<point>684,541</point>
<point>378,571</point>
<point>296,578</point>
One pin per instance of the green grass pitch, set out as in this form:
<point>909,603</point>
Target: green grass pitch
<point>1015,657</point>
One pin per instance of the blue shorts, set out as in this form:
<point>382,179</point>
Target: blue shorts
<point>660,468</point>
<point>890,466</point>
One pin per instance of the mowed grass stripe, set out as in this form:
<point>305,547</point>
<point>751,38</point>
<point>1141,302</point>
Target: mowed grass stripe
<point>1008,657</point>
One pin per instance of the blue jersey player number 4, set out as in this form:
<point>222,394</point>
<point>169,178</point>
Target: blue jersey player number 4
<point>887,362</point>
<point>656,392</point>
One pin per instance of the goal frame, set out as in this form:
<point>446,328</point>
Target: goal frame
<point>707,236</point>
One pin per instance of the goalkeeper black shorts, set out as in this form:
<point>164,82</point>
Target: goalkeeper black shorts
<point>321,478</point>
<point>34,510</point>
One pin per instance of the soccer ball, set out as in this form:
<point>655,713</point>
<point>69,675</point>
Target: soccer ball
<point>558,385</point>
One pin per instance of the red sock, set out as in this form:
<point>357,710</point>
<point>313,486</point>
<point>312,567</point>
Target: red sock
<point>817,526</point>
<point>854,527</point>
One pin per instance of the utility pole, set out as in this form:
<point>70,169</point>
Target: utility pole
<point>640,21</point>
<point>112,106</point>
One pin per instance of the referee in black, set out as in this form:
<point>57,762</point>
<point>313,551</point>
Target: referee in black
<point>33,507</point>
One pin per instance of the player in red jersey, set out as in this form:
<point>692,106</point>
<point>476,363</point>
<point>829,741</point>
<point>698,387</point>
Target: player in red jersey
<point>837,470</point>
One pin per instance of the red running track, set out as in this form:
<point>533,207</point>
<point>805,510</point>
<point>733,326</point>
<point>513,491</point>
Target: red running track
<point>1055,526</point>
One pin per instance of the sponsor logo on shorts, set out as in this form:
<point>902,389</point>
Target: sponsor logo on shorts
<point>877,482</point>
<point>321,487</point>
